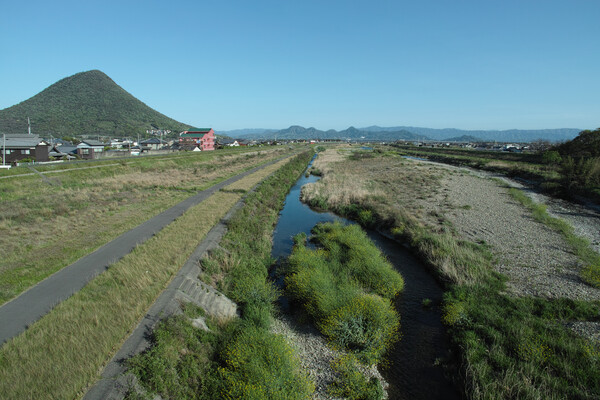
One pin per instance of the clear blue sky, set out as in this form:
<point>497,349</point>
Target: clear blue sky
<point>478,64</point>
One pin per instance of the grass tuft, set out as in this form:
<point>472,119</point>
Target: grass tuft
<point>346,286</point>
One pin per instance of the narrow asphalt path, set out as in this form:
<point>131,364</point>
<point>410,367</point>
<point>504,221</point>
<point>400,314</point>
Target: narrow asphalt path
<point>17,314</point>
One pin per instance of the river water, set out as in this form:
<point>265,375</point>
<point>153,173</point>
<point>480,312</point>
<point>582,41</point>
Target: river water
<point>414,371</point>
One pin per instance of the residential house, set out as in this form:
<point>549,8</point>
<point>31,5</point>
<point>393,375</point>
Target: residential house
<point>90,149</point>
<point>202,139</point>
<point>153,144</point>
<point>17,147</point>
<point>229,142</point>
<point>64,152</point>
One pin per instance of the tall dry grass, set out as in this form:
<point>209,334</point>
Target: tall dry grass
<point>43,228</point>
<point>397,192</point>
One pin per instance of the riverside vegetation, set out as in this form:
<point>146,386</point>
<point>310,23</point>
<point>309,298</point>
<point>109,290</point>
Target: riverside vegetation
<point>346,287</point>
<point>568,169</point>
<point>243,358</point>
<point>89,204</point>
<point>239,357</point>
<point>60,355</point>
<point>509,347</point>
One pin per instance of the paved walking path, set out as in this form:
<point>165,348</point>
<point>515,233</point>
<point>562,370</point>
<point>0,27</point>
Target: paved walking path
<point>115,381</point>
<point>17,314</point>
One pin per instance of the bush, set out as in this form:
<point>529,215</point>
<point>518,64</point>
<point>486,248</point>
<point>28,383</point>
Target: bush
<point>551,157</point>
<point>345,286</point>
<point>577,174</point>
<point>261,365</point>
<point>367,325</point>
<point>351,384</point>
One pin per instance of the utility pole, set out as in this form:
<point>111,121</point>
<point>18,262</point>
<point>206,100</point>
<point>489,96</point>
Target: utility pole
<point>28,126</point>
<point>3,149</point>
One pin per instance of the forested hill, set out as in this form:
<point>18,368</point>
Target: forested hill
<point>85,103</point>
<point>587,144</point>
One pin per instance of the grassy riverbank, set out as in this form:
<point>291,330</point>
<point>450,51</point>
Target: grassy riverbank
<point>45,227</point>
<point>509,347</point>
<point>241,358</point>
<point>63,353</point>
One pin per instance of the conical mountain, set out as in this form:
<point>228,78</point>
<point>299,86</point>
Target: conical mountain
<point>85,103</point>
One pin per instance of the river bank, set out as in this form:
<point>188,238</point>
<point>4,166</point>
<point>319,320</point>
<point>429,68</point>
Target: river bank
<point>414,362</point>
<point>511,343</point>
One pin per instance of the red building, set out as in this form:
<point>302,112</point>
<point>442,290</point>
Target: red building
<point>204,139</point>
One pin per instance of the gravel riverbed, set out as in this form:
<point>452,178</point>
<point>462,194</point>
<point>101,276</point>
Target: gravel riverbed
<point>315,355</point>
<point>536,259</point>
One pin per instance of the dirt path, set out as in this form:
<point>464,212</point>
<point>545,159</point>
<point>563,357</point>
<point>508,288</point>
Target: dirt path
<point>34,303</point>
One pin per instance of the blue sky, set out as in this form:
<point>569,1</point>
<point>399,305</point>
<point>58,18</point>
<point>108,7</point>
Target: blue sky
<point>527,64</point>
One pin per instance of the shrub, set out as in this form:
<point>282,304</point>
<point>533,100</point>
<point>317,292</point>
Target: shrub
<point>345,286</point>
<point>351,384</point>
<point>551,157</point>
<point>367,325</point>
<point>261,365</point>
<point>577,174</point>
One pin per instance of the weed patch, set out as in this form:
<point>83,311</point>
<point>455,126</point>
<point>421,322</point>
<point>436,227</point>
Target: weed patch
<point>351,382</point>
<point>345,286</point>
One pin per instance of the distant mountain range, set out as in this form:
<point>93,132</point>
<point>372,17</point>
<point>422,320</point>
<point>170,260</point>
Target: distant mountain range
<point>90,103</point>
<point>410,133</point>
<point>85,103</point>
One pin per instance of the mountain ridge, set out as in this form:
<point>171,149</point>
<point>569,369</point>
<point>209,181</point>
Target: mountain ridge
<point>415,133</point>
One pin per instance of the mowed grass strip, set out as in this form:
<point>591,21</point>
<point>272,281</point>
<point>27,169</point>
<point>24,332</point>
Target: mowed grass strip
<point>45,228</point>
<point>62,354</point>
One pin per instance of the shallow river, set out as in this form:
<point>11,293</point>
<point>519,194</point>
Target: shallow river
<point>414,371</point>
